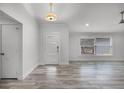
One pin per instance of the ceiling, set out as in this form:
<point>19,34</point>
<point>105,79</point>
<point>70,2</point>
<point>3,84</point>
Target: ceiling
<point>100,16</point>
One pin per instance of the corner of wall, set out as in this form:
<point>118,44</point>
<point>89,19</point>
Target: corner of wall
<point>29,71</point>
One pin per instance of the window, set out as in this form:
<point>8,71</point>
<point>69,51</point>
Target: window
<point>87,46</point>
<point>103,46</point>
<point>96,46</point>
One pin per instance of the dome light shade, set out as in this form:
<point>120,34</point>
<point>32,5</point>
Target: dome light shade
<point>51,17</point>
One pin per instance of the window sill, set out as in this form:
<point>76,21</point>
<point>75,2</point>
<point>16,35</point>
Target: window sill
<point>103,54</point>
<point>96,54</point>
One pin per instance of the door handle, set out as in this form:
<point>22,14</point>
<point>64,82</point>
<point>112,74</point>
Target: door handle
<point>57,48</point>
<point>2,54</point>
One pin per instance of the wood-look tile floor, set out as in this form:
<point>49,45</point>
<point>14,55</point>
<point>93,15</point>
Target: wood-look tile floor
<point>85,75</point>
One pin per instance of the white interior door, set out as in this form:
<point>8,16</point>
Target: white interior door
<point>10,51</point>
<point>52,48</point>
<point>0,50</point>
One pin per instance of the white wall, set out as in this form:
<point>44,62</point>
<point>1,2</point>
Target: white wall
<point>117,40</point>
<point>30,42</point>
<point>64,35</point>
<point>6,19</point>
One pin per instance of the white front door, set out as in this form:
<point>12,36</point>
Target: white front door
<point>9,51</point>
<point>52,48</point>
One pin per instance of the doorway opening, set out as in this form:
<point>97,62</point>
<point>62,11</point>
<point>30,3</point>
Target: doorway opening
<point>10,47</point>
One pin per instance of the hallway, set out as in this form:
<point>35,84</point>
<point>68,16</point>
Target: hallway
<point>76,75</point>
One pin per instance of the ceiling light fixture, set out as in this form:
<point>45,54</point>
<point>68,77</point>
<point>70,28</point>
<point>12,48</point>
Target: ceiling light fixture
<point>51,16</point>
<point>122,20</point>
<point>87,25</point>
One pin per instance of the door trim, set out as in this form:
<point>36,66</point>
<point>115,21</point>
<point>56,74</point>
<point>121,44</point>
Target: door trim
<point>44,47</point>
<point>1,51</point>
<point>19,71</point>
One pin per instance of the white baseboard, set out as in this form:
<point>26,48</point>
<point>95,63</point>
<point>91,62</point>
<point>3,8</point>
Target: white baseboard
<point>62,63</point>
<point>29,71</point>
<point>75,60</point>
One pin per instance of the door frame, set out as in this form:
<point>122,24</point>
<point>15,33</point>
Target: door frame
<point>44,46</point>
<point>19,63</point>
<point>0,51</point>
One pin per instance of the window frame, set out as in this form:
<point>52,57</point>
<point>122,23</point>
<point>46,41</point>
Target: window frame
<point>111,49</point>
